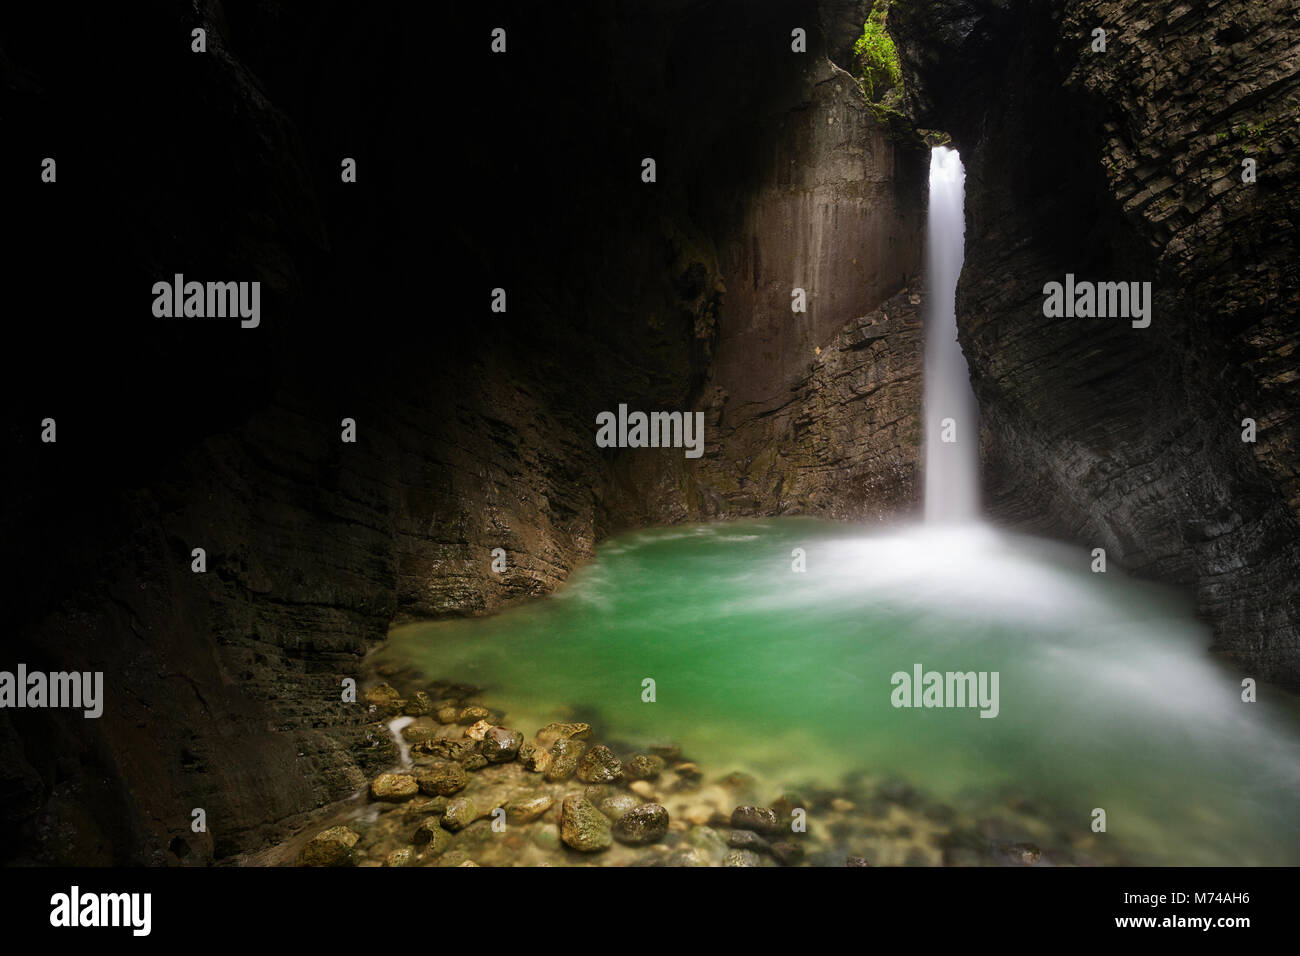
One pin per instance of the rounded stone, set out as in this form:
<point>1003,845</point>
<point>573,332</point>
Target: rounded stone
<point>600,766</point>
<point>527,808</point>
<point>582,826</point>
<point>443,779</point>
<point>617,804</point>
<point>393,787</point>
<point>644,824</point>
<point>332,847</point>
<point>501,745</point>
<point>758,819</point>
<point>461,812</point>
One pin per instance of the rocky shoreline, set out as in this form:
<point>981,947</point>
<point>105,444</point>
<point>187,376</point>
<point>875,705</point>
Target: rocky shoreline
<point>467,789</point>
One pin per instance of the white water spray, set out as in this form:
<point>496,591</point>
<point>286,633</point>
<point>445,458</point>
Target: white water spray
<point>395,728</point>
<point>951,415</point>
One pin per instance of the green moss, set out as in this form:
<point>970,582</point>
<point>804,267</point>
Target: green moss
<point>878,65</point>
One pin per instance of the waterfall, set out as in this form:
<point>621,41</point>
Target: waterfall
<point>951,415</point>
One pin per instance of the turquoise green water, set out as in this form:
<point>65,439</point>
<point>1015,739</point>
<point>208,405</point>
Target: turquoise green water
<point>1107,697</point>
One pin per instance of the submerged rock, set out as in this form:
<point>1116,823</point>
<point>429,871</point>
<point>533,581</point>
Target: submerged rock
<point>393,787</point>
<point>419,705</point>
<point>501,745</point>
<point>448,715</point>
<point>418,730</point>
<point>431,836</point>
<point>332,847</point>
<point>643,824</point>
<point>749,840</point>
<point>1020,854</point>
<point>687,856</point>
<point>475,762</point>
<point>600,766</point>
<point>461,812</point>
<point>742,858</point>
<point>443,779</point>
<point>525,809</point>
<point>552,732</point>
<point>709,841</point>
<point>472,714</point>
<point>478,730</point>
<point>643,789</point>
<point>582,826</point>
<point>617,804</point>
<point>403,857</point>
<point>788,852</point>
<point>856,861</point>
<point>565,754</point>
<point>534,758</point>
<point>644,767</point>
<point>758,819</point>
<point>457,748</point>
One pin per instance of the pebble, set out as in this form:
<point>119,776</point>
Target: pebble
<point>618,804</point>
<point>403,857</point>
<point>393,787</point>
<point>443,779</point>
<point>644,767</point>
<point>742,858</point>
<point>332,847</point>
<point>461,812</point>
<point>525,809</point>
<point>565,754</point>
<point>552,732</point>
<point>600,766</point>
<point>644,790</point>
<point>582,826</point>
<point>643,824</point>
<point>758,819</point>
<point>501,745</point>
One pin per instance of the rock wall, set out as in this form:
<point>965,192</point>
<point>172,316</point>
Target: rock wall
<point>1126,165</point>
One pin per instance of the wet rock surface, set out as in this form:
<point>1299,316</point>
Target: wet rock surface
<point>506,814</point>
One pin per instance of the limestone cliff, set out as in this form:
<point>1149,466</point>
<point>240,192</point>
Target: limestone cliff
<point>1126,165</point>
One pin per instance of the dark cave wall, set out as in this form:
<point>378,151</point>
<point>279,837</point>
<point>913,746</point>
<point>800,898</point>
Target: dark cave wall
<point>1125,165</point>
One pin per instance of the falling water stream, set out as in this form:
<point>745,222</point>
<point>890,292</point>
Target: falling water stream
<point>774,645</point>
<point>951,432</point>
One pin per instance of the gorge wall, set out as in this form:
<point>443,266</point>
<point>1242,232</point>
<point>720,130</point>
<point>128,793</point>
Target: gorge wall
<point>1126,165</point>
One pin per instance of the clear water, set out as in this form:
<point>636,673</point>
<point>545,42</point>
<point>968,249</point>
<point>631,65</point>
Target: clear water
<point>1107,696</point>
